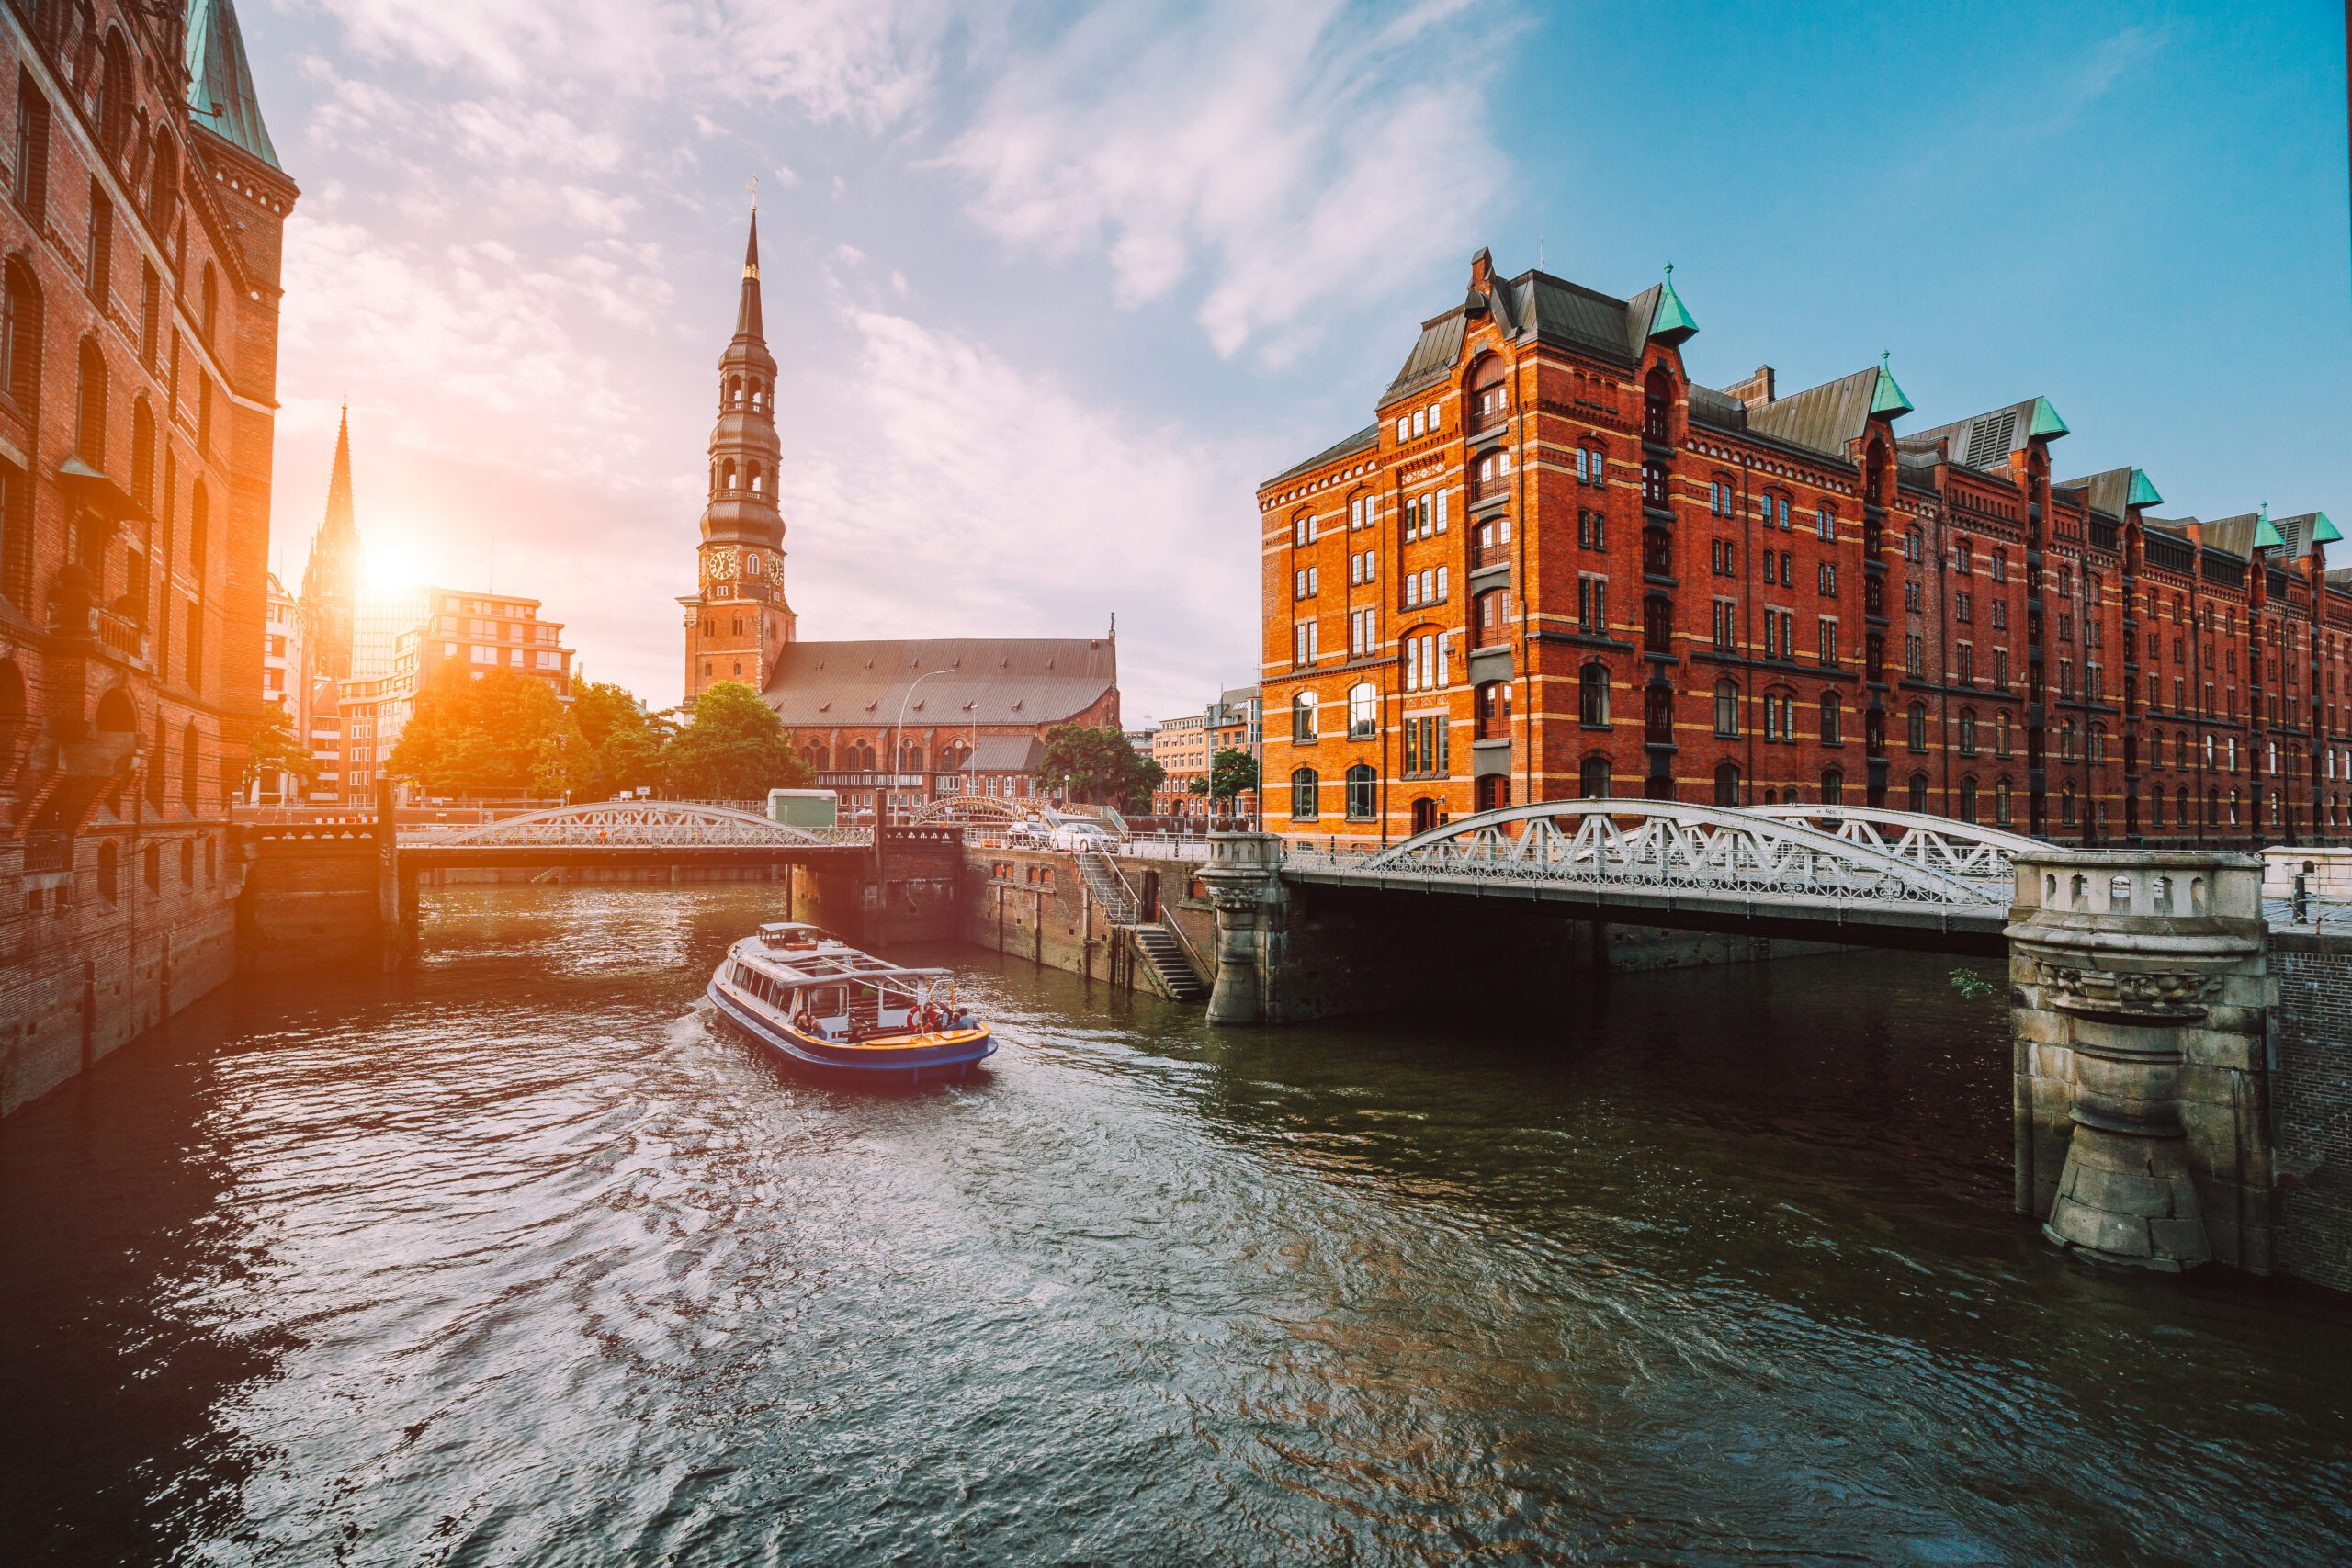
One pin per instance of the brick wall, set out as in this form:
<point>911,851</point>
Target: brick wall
<point>2311,1100</point>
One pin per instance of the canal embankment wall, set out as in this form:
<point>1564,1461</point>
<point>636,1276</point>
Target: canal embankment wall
<point>2310,1048</point>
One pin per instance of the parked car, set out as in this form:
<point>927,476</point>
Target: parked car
<point>1029,836</point>
<point>1077,837</point>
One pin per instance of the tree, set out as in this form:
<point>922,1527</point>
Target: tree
<point>1096,765</point>
<point>620,743</point>
<point>1230,773</point>
<point>488,733</point>
<point>275,748</point>
<point>733,748</point>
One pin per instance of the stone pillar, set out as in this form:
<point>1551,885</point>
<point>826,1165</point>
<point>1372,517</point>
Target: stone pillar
<point>2137,981</point>
<point>1244,880</point>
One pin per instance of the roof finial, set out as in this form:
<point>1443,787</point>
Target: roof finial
<point>1883,355</point>
<point>752,185</point>
<point>1670,272</point>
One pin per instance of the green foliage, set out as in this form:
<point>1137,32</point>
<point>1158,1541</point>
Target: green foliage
<point>1970,983</point>
<point>620,744</point>
<point>1098,766</point>
<point>1230,773</point>
<point>733,748</point>
<point>500,732</point>
<point>275,748</point>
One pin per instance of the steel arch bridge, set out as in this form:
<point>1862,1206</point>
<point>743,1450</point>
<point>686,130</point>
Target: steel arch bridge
<point>1808,869</point>
<point>640,825</point>
<point>970,810</point>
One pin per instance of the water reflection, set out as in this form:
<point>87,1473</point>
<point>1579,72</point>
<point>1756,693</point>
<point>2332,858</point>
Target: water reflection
<point>514,1258</point>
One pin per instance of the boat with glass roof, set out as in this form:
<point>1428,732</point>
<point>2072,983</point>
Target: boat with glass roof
<point>803,992</point>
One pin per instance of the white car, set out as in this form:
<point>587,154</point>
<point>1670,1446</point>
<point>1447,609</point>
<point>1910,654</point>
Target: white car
<point>1029,835</point>
<point>1078,836</point>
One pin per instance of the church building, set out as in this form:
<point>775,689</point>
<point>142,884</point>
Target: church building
<point>965,716</point>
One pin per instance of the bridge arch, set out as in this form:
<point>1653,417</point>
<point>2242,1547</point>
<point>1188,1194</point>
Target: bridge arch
<point>635,824</point>
<point>1943,844</point>
<point>1652,844</point>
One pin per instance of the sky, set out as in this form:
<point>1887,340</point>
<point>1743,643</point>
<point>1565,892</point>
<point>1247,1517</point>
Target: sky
<point>1053,290</point>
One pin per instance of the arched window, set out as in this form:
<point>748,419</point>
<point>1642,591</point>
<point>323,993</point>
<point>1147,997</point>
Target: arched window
<point>1489,389</point>
<point>1968,732</point>
<point>1363,711</point>
<point>142,454</point>
<point>734,392</point>
<point>1833,786</point>
<point>90,407</point>
<point>1915,726</point>
<point>726,475</point>
<point>1592,778</point>
<point>1424,814</point>
<point>109,870</point>
<point>1492,705</point>
<point>1833,719</point>
<point>910,757</point>
<point>20,335</point>
<point>191,744</point>
<point>1593,694</point>
<point>1363,793</point>
<point>1968,798</point>
<point>1726,784</point>
<point>114,104</point>
<point>2067,742</point>
<point>2066,805</point>
<point>859,757</point>
<point>2099,745</point>
<point>757,477</point>
<point>1726,708</point>
<point>1916,792</point>
<point>1491,793</point>
<point>1304,807</point>
<point>1302,716</point>
<point>1658,399</point>
<point>163,184</point>
<point>818,758</point>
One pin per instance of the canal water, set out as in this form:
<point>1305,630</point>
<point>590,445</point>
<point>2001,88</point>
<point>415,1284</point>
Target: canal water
<point>517,1259</point>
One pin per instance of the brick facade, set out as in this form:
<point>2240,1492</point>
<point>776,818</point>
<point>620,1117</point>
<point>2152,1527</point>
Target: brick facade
<point>1554,565</point>
<point>140,246</point>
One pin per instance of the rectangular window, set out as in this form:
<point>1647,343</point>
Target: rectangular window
<point>1726,625</point>
<point>32,149</point>
<point>1829,638</point>
<point>1592,605</point>
<point>1441,590</point>
<point>1967,666</point>
<point>1914,655</point>
<point>1826,522</point>
<point>1355,512</point>
<point>101,256</point>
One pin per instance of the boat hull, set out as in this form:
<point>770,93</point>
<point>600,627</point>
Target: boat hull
<point>950,1057</point>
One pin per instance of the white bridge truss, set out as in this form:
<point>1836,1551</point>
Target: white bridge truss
<point>638,824</point>
<point>1667,847</point>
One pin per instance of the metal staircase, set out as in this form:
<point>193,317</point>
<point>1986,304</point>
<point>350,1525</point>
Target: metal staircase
<point>1164,951</point>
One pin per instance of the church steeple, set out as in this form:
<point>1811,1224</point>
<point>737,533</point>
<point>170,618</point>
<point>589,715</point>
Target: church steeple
<point>330,577</point>
<point>739,621</point>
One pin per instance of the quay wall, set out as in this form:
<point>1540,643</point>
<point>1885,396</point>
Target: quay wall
<point>2311,1040</point>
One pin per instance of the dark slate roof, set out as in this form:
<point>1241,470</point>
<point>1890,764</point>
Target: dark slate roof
<point>1720,410</point>
<point>1986,440</point>
<point>1534,306</point>
<point>2234,535</point>
<point>1021,681</point>
<point>1004,753</point>
<point>1361,440</point>
<point>2109,493</point>
<point>1434,353</point>
<point>220,81</point>
<point>1819,419</point>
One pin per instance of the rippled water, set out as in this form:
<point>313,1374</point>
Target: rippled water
<point>518,1259</point>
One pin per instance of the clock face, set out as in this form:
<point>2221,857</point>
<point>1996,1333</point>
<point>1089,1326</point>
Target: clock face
<point>721,562</point>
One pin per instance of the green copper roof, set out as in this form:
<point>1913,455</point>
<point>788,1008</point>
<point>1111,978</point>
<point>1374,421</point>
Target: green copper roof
<point>1886,398</point>
<point>2322,531</point>
<point>2144,493</point>
<point>2045,419</point>
<point>220,81</point>
<point>1671,321</point>
<point>2266,533</point>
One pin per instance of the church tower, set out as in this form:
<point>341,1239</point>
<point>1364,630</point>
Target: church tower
<point>737,621</point>
<point>330,577</point>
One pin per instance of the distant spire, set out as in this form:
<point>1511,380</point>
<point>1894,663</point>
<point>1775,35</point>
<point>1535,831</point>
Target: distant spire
<point>339,520</point>
<point>747,312</point>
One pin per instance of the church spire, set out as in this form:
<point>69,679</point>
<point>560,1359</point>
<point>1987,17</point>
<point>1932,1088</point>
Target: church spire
<point>339,521</point>
<point>330,577</point>
<point>747,311</point>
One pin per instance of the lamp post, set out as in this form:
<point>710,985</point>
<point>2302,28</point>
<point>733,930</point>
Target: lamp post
<point>897,732</point>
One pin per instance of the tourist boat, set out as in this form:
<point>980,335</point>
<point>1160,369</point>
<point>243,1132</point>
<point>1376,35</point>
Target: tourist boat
<point>807,993</point>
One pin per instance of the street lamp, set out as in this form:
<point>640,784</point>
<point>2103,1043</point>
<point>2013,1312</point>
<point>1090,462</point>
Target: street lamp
<point>897,730</point>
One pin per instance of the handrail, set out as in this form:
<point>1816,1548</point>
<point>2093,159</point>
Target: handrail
<point>1203,972</point>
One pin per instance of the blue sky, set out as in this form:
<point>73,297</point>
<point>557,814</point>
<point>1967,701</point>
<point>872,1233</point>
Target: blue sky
<point>1053,288</point>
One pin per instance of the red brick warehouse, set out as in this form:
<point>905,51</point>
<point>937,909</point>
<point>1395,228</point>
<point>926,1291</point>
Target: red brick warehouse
<point>1556,566</point>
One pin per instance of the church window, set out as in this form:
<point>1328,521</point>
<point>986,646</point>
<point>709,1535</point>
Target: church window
<point>739,667</point>
<point>727,474</point>
<point>734,392</point>
<point>751,563</point>
<point>757,477</point>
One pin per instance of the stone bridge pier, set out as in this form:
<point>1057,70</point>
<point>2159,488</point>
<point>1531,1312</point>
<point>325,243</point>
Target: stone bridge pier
<point>2139,989</point>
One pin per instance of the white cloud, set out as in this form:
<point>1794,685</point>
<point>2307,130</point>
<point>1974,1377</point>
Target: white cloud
<point>1287,153</point>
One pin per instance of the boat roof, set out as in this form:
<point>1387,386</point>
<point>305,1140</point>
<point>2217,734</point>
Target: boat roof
<point>826,966</point>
